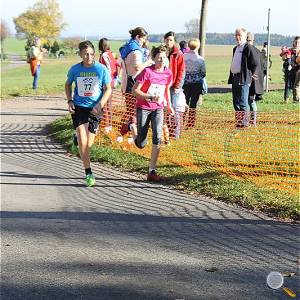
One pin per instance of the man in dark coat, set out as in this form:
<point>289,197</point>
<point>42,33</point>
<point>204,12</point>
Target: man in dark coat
<point>242,72</point>
<point>257,86</point>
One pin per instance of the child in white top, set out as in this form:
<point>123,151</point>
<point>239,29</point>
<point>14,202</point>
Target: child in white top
<point>179,107</point>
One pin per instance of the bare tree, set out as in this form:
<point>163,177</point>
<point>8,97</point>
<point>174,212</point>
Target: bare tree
<point>202,31</point>
<point>72,43</point>
<point>192,28</point>
<point>5,32</point>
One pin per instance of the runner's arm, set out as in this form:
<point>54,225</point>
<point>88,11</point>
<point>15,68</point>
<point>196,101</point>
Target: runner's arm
<point>136,90</point>
<point>105,97</point>
<point>68,90</point>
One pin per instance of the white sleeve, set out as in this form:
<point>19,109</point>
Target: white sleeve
<point>107,62</point>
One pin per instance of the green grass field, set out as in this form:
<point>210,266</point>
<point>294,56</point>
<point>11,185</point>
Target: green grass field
<point>14,46</point>
<point>17,81</point>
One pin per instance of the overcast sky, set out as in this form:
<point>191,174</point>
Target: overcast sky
<point>97,17</point>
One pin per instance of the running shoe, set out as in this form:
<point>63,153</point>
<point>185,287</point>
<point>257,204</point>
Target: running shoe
<point>153,177</point>
<point>126,127</point>
<point>74,147</point>
<point>90,179</point>
<point>75,141</point>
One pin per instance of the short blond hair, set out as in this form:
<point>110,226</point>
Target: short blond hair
<point>194,44</point>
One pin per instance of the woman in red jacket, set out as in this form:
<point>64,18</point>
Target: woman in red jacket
<point>177,66</point>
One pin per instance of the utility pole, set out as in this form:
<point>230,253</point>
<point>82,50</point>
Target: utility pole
<point>268,51</point>
<point>202,25</point>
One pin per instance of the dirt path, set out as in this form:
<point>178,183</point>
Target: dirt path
<point>15,61</point>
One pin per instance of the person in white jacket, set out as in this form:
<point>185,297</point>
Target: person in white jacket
<point>195,72</point>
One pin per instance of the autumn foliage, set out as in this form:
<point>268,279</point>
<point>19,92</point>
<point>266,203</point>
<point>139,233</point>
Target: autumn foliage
<point>43,19</point>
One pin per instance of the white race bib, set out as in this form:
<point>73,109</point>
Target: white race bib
<point>157,90</point>
<point>88,86</point>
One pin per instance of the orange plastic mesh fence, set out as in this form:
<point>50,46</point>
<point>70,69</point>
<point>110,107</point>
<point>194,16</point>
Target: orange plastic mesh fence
<point>266,154</point>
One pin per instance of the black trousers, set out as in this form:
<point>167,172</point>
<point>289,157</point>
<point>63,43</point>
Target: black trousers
<point>192,91</point>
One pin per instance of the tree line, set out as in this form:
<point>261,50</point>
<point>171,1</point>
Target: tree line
<point>228,38</point>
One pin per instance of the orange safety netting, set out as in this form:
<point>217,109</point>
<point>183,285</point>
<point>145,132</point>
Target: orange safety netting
<point>266,154</point>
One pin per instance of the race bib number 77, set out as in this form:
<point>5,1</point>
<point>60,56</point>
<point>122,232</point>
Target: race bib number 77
<point>88,86</point>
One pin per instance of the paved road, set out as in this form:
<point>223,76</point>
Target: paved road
<point>124,239</point>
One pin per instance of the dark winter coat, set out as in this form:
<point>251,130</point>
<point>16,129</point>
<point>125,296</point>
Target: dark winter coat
<point>249,65</point>
<point>257,86</point>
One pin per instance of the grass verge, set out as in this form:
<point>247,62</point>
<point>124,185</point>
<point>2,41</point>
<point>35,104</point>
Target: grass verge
<point>275,203</point>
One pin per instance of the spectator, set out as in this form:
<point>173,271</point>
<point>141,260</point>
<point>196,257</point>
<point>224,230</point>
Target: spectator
<point>296,68</point>
<point>132,65</point>
<point>34,58</point>
<point>257,85</point>
<point>242,72</point>
<point>184,47</point>
<point>265,63</point>
<point>286,55</point>
<point>291,66</point>
<point>177,67</point>
<point>195,72</point>
<point>107,59</point>
<point>132,56</point>
<point>179,112</point>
